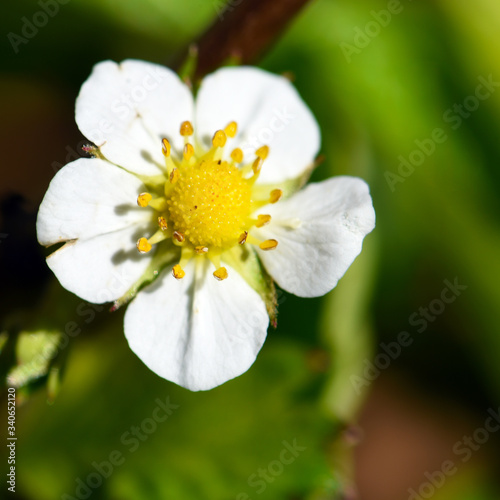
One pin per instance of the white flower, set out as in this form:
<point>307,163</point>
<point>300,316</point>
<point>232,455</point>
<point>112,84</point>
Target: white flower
<point>198,194</point>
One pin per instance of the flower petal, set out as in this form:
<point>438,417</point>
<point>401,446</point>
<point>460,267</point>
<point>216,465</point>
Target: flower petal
<point>268,110</point>
<point>197,332</point>
<point>320,231</point>
<point>103,268</point>
<point>127,108</point>
<point>86,198</point>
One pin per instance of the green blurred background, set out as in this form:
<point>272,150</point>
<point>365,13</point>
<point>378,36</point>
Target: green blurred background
<point>376,85</point>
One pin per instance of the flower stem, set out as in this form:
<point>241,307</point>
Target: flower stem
<point>243,31</point>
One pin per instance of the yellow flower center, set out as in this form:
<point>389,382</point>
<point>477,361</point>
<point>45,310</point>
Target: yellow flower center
<point>210,204</point>
<point>203,204</point>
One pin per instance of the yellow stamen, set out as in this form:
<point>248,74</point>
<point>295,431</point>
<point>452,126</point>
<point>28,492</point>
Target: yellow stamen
<point>178,272</point>
<point>237,155</point>
<point>157,237</point>
<point>143,199</point>
<point>179,236</point>
<point>186,129</point>
<point>243,238</point>
<point>220,274</point>
<point>174,176</point>
<point>219,139</point>
<point>276,195</point>
<point>143,245</point>
<point>188,151</point>
<point>162,222</point>
<point>257,165</point>
<point>231,129</point>
<point>166,148</point>
<point>263,220</point>
<point>201,250</point>
<point>159,204</point>
<point>262,152</point>
<point>268,245</point>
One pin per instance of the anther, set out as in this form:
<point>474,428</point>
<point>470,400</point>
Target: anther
<point>143,245</point>
<point>162,222</point>
<point>243,237</point>
<point>231,129</point>
<point>219,139</point>
<point>262,152</point>
<point>177,272</point>
<point>263,220</point>
<point>188,151</point>
<point>186,129</point>
<point>165,147</point>
<point>179,236</point>
<point>143,199</point>
<point>257,165</point>
<point>201,250</point>
<point>220,274</point>
<point>237,155</point>
<point>275,196</point>
<point>174,175</point>
<point>268,245</point>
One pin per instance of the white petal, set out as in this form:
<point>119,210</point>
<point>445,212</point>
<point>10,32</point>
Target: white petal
<point>127,109</point>
<point>89,197</point>
<point>320,231</point>
<point>103,268</point>
<point>268,110</point>
<point>197,332</point>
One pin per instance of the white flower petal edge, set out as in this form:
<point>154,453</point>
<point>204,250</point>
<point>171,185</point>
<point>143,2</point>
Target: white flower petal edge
<point>320,231</point>
<point>268,110</point>
<point>86,198</point>
<point>127,108</point>
<point>197,332</point>
<point>103,268</point>
<point>90,203</point>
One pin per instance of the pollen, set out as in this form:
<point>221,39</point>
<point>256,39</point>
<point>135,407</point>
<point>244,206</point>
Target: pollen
<point>220,274</point>
<point>210,204</point>
<point>263,220</point>
<point>219,139</point>
<point>237,155</point>
<point>263,152</point>
<point>143,245</point>
<point>275,196</point>
<point>268,245</point>
<point>166,148</point>
<point>178,272</point>
<point>231,129</point>
<point>186,129</point>
<point>143,199</point>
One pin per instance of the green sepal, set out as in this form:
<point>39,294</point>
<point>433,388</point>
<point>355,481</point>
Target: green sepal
<point>246,262</point>
<point>166,253</point>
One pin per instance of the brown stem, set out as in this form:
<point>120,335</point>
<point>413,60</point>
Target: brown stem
<point>244,30</point>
